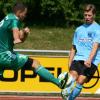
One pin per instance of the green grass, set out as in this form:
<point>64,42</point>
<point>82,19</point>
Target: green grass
<point>48,38</point>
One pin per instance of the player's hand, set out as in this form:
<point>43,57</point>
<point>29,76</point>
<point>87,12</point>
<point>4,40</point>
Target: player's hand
<point>87,63</point>
<point>24,33</point>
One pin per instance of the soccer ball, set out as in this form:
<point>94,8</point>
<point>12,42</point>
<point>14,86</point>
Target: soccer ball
<point>62,75</point>
<point>69,78</point>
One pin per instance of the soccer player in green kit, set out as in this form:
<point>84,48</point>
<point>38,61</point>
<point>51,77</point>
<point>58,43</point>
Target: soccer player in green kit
<point>10,34</point>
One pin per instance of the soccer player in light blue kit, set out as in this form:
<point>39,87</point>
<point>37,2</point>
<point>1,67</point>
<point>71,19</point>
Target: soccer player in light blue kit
<point>11,34</point>
<point>84,55</point>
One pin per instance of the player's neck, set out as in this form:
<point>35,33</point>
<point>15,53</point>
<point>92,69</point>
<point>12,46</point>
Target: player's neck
<point>89,23</point>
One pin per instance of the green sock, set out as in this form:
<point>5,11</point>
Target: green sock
<point>44,73</point>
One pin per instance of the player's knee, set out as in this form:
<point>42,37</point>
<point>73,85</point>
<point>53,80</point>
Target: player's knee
<point>74,74</point>
<point>35,64</point>
<point>80,81</point>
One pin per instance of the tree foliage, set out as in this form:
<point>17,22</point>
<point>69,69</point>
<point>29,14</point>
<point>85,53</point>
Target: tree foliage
<point>67,7</point>
<point>54,11</point>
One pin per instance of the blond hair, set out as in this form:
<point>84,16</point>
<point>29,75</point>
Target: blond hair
<point>90,7</point>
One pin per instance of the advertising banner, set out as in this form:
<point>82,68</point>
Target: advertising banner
<point>28,81</point>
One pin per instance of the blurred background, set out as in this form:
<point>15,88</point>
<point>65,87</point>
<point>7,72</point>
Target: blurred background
<point>52,22</point>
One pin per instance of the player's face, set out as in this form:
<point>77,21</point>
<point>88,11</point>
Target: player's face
<point>89,17</point>
<point>22,14</point>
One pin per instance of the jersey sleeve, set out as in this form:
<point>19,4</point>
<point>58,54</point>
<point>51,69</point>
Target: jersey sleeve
<point>14,24</point>
<point>97,36</point>
<point>74,38</point>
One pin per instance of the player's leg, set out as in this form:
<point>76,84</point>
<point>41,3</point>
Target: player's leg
<point>75,70</point>
<point>16,61</point>
<point>86,74</point>
<point>70,84</point>
<point>24,61</point>
<point>44,73</point>
<point>74,75</point>
<point>77,89</point>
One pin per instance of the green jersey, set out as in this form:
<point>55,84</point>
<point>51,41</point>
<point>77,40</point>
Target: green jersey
<point>6,36</point>
<point>9,58</point>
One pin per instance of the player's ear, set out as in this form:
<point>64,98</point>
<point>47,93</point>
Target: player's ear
<point>94,14</point>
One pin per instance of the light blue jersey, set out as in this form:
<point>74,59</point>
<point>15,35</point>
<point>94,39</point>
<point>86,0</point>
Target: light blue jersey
<point>84,37</point>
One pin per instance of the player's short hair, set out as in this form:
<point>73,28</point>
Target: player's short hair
<point>90,7</point>
<point>19,6</point>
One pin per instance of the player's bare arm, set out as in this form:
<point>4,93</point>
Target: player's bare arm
<point>20,35</point>
<point>24,33</point>
<point>71,55</point>
<point>92,54</point>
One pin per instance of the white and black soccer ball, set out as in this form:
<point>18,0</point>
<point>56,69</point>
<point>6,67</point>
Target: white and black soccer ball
<point>62,76</point>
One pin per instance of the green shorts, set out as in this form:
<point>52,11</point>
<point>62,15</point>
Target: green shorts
<point>12,60</point>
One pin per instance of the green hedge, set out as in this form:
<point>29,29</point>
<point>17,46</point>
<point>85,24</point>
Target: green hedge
<point>52,12</point>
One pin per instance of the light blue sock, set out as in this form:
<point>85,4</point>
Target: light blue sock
<point>44,73</point>
<point>76,91</point>
<point>70,86</point>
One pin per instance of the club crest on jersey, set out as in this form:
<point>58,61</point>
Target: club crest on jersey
<point>90,34</point>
